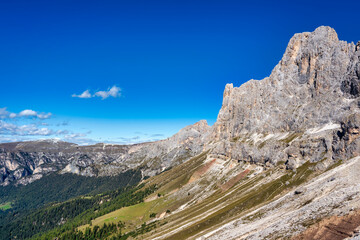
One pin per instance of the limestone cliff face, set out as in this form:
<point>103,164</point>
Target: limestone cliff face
<point>279,118</point>
<point>314,83</point>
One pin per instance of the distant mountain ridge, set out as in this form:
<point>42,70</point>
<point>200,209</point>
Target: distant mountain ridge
<point>24,162</point>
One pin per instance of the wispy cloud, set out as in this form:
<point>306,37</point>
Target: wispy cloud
<point>23,130</point>
<point>4,113</point>
<point>10,132</point>
<point>140,138</point>
<point>62,132</point>
<point>85,94</point>
<point>5,139</point>
<point>79,138</point>
<point>63,123</point>
<point>75,135</point>
<point>114,91</point>
<point>157,135</point>
<point>25,113</point>
<point>32,113</point>
<point>29,125</point>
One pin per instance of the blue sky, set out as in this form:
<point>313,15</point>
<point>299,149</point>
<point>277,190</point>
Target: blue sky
<point>168,61</point>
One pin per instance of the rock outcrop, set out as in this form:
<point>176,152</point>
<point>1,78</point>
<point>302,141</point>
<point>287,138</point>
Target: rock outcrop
<point>306,110</point>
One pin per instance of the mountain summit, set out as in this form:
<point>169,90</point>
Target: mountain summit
<point>306,110</point>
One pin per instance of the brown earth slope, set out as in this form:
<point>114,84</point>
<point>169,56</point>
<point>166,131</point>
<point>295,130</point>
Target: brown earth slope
<point>333,228</point>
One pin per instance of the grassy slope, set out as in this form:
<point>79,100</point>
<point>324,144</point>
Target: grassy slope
<point>167,181</point>
<point>246,201</point>
<point>5,206</point>
<point>133,215</point>
<point>223,206</point>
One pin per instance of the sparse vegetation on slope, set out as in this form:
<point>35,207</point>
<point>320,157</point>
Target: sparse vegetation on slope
<point>23,221</point>
<point>5,206</point>
<point>255,197</point>
<point>61,187</point>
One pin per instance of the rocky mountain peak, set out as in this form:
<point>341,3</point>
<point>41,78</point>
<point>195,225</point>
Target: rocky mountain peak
<point>315,65</point>
<point>314,86</point>
<point>320,34</point>
<point>322,39</point>
<point>310,53</point>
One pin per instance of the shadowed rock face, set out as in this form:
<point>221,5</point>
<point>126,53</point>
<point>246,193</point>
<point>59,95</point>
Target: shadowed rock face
<point>306,110</point>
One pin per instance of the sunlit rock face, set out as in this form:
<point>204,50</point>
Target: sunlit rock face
<point>297,113</point>
<point>306,110</point>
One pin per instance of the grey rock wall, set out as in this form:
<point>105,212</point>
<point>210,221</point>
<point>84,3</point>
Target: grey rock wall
<point>314,86</point>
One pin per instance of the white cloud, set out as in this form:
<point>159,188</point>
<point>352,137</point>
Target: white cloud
<point>75,135</point>
<point>23,130</point>
<point>15,127</point>
<point>5,139</point>
<point>79,138</point>
<point>31,113</point>
<point>41,131</point>
<point>62,132</point>
<point>13,130</point>
<point>25,113</point>
<point>85,94</point>
<point>114,91</point>
<point>44,115</point>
